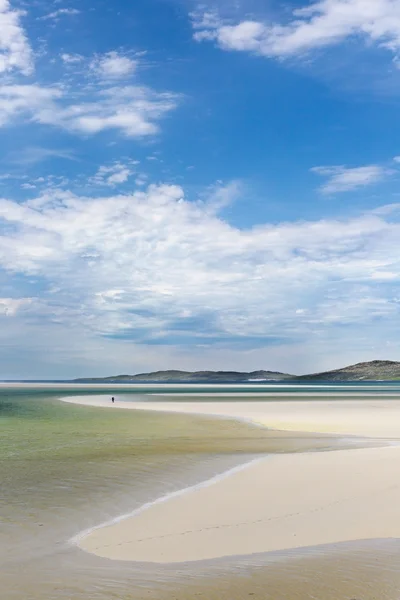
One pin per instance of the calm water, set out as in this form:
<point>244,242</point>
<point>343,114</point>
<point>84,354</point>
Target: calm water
<point>379,387</point>
<point>64,468</point>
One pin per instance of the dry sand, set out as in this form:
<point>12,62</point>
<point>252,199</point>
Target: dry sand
<point>277,503</point>
<point>364,417</point>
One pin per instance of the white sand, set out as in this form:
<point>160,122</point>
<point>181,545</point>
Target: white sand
<point>371,418</point>
<point>281,502</point>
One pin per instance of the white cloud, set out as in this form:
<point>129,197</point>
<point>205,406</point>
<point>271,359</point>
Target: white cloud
<point>11,306</point>
<point>133,110</point>
<point>113,66</point>
<point>15,51</point>
<point>385,276</point>
<point>114,174</point>
<point>151,265</point>
<point>71,58</point>
<point>220,196</point>
<point>31,155</point>
<point>23,99</point>
<point>120,176</point>
<point>141,179</point>
<point>55,16</point>
<point>344,179</point>
<point>316,25</point>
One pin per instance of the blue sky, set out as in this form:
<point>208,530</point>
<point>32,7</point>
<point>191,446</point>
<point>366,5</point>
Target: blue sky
<point>198,186</point>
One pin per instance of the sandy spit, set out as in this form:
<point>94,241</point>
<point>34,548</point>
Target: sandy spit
<point>376,418</point>
<point>278,503</point>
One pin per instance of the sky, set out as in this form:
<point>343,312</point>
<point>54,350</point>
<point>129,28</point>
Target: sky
<point>195,186</point>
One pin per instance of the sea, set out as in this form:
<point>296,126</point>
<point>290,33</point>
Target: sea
<point>65,468</point>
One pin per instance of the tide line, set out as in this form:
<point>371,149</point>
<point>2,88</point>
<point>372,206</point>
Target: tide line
<point>76,539</point>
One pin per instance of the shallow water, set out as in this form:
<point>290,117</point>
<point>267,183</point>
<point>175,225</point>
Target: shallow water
<point>65,468</point>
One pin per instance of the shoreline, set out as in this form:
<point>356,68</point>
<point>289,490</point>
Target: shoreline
<point>180,528</point>
<point>76,539</point>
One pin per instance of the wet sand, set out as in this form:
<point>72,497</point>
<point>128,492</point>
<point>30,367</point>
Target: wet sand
<point>278,503</point>
<point>367,571</point>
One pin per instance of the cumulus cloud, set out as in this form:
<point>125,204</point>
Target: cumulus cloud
<point>113,66</point>
<point>15,50</point>
<point>132,110</point>
<point>154,267</point>
<point>26,99</point>
<point>344,179</point>
<point>317,25</point>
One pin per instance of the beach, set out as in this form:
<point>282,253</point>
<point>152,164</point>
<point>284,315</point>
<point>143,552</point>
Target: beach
<point>358,416</point>
<point>276,503</point>
<point>69,469</point>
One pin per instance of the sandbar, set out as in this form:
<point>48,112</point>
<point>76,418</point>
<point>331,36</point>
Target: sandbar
<point>376,418</point>
<point>275,503</point>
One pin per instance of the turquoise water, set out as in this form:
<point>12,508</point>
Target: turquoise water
<point>381,387</point>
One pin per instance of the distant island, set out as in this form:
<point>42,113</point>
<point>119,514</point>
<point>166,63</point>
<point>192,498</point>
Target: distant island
<point>192,377</point>
<point>376,370</point>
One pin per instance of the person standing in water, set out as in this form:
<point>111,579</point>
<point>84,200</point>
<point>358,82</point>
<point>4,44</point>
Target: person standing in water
<point>112,399</point>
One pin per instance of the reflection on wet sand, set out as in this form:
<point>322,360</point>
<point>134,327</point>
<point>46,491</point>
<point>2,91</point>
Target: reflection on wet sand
<point>359,571</point>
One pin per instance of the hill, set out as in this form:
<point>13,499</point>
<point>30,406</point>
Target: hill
<point>376,370</point>
<point>192,377</point>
